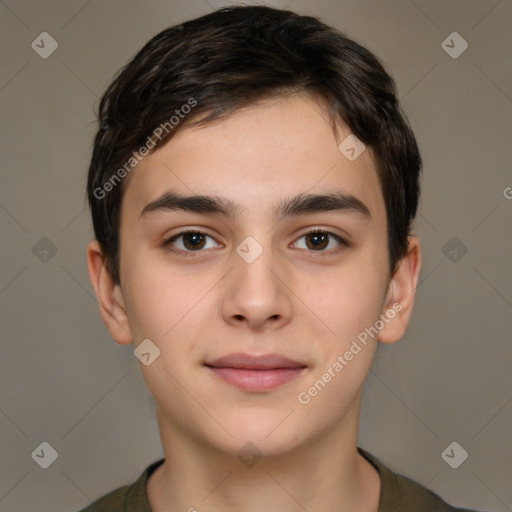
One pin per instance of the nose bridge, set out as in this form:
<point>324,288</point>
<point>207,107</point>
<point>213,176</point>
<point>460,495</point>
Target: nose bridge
<point>254,266</point>
<point>254,289</point>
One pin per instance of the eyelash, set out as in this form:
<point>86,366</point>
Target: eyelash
<point>167,244</point>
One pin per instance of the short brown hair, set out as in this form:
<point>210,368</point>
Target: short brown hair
<point>229,59</point>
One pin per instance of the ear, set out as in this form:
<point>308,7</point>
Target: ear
<point>110,296</point>
<point>401,292</point>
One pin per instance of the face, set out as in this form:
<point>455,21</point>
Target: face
<point>298,283</point>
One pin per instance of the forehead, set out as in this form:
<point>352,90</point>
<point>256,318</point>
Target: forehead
<point>258,155</point>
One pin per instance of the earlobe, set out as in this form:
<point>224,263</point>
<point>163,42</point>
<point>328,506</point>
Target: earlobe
<point>109,295</point>
<point>401,294</point>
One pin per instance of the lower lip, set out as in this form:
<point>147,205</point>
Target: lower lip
<point>257,380</point>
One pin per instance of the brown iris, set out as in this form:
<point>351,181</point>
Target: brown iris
<point>197,240</point>
<point>319,240</point>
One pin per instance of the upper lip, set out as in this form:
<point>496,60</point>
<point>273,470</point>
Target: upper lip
<point>246,361</point>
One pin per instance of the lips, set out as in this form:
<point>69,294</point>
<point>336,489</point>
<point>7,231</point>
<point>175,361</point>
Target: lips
<point>256,374</point>
<point>248,362</point>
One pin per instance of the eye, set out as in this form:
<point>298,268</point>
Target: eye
<point>318,240</point>
<point>191,241</point>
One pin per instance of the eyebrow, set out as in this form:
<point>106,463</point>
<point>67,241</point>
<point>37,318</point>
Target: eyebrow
<point>301,204</point>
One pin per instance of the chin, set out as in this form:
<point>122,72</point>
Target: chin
<point>265,430</point>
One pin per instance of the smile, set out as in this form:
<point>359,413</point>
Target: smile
<point>256,374</point>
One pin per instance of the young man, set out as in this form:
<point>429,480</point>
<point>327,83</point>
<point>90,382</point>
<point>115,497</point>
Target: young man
<point>252,187</point>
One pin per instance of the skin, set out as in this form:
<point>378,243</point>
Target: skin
<point>290,301</point>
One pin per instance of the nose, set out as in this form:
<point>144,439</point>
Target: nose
<point>258,293</point>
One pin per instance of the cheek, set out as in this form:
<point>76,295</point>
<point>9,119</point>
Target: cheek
<point>158,310</point>
<point>349,304</point>
<point>169,308</point>
<point>349,301</point>
<point>155,302</point>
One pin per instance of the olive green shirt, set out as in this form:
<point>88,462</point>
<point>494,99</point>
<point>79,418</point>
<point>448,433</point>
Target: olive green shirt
<point>398,494</point>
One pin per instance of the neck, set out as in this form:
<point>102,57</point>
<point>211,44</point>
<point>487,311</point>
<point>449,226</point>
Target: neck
<point>325,474</point>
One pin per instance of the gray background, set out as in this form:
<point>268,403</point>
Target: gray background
<point>63,379</point>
